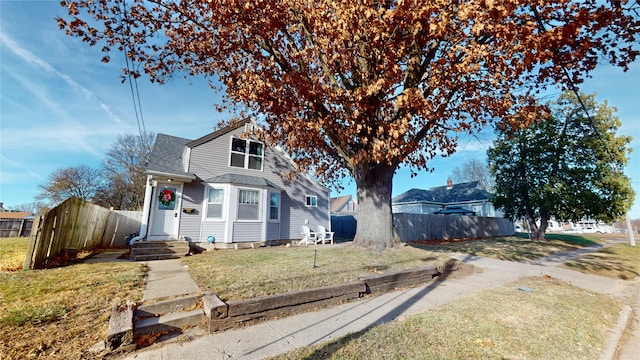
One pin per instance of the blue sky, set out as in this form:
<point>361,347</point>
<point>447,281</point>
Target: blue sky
<point>61,107</point>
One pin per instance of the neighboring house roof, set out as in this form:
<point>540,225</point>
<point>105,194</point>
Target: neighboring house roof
<point>455,210</point>
<point>14,214</point>
<point>166,157</point>
<point>338,203</point>
<point>242,180</point>
<point>458,193</point>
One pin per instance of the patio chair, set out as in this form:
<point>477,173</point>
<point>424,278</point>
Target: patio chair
<point>324,236</point>
<point>308,236</point>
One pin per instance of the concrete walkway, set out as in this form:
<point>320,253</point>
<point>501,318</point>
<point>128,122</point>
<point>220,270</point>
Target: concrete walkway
<point>278,336</point>
<point>167,278</point>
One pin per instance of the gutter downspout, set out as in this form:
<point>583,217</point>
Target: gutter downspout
<point>144,222</point>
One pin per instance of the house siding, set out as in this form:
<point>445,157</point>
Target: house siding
<point>215,229</point>
<point>190,222</point>
<point>211,159</point>
<point>247,231</point>
<point>273,231</point>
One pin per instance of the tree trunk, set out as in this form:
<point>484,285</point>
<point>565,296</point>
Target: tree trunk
<point>375,220</point>
<point>538,231</point>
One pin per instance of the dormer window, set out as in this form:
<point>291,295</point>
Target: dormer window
<point>247,154</point>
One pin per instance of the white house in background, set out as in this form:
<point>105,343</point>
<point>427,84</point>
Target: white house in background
<point>227,187</point>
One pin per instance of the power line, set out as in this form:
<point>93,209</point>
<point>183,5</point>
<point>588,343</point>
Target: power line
<point>137,106</point>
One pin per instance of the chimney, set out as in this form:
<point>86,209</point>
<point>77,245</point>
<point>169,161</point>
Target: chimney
<point>449,184</point>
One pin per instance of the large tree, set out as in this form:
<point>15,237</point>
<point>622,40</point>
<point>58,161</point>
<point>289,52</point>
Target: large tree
<point>123,170</point>
<point>78,181</point>
<point>568,167</point>
<point>360,88</point>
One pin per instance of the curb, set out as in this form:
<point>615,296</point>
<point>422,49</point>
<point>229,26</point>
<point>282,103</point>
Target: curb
<point>616,333</point>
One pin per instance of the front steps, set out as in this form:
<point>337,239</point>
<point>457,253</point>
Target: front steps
<point>158,250</point>
<point>169,317</point>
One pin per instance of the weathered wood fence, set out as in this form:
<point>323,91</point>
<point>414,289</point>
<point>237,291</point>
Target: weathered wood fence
<point>420,227</point>
<point>15,227</point>
<point>76,225</point>
<point>424,227</point>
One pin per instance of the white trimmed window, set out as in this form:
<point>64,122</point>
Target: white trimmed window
<point>248,205</point>
<point>311,201</point>
<point>274,206</point>
<point>215,202</point>
<point>246,154</point>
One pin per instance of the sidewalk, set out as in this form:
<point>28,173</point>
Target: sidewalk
<point>278,336</point>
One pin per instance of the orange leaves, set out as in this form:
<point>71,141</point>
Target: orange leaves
<point>345,82</point>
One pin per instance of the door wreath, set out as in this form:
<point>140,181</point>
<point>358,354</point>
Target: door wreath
<point>167,197</point>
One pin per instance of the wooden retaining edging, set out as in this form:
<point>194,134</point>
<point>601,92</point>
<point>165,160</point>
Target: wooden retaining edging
<point>222,315</point>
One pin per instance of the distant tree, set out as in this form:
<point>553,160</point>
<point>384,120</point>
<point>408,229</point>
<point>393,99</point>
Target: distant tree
<point>568,166</point>
<point>80,181</point>
<point>474,170</point>
<point>360,88</point>
<point>33,207</point>
<point>123,169</point>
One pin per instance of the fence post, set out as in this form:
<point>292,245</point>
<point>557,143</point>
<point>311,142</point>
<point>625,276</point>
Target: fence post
<point>28,259</point>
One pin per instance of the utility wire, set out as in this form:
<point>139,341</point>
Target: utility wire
<point>137,106</point>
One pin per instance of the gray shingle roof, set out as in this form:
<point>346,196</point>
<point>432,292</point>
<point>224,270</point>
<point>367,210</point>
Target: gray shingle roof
<point>462,192</point>
<point>166,156</point>
<point>242,180</point>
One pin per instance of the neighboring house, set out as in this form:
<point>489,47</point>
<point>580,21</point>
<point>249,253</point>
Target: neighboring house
<point>15,223</point>
<point>226,188</point>
<point>459,199</point>
<point>344,205</point>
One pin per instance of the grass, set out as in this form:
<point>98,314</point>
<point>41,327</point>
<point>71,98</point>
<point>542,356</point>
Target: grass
<point>620,261</point>
<point>12,253</point>
<point>516,248</point>
<point>61,312</point>
<point>240,274</point>
<point>554,321</point>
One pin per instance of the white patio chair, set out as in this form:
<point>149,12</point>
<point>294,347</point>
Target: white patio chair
<point>308,236</point>
<point>324,236</point>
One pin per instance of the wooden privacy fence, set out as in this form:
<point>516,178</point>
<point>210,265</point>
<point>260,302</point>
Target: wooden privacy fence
<point>15,227</point>
<point>76,225</point>
<point>419,227</point>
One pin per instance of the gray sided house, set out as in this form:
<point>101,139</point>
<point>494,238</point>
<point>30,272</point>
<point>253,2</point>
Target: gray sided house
<point>454,199</point>
<point>224,188</point>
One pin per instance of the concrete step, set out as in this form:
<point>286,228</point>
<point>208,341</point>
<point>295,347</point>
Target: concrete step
<point>172,322</point>
<point>159,250</point>
<point>160,244</point>
<point>168,306</point>
<point>169,316</point>
<point>150,257</point>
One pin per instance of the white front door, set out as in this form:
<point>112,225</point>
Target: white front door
<point>165,212</point>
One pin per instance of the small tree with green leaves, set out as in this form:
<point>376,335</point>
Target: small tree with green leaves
<point>567,167</point>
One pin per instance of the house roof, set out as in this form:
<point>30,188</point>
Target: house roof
<point>337,203</point>
<point>218,133</point>
<point>463,192</point>
<point>14,214</point>
<point>452,210</point>
<point>166,157</point>
<point>242,180</point>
